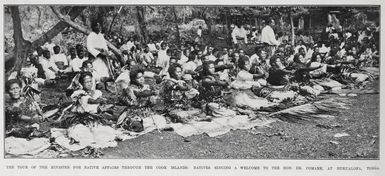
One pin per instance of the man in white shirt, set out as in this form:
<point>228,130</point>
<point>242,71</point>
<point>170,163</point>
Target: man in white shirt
<point>163,60</point>
<point>49,69</point>
<point>239,36</point>
<point>268,35</point>
<point>148,58</point>
<point>97,46</point>
<point>60,60</point>
<point>76,63</point>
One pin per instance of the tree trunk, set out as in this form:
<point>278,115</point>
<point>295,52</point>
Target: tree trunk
<point>39,16</point>
<point>292,30</point>
<point>281,24</point>
<point>21,46</point>
<point>101,17</point>
<point>142,23</point>
<point>301,23</point>
<point>176,26</point>
<point>121,28</point>
<point>208,22</point>
<point>229,39</point>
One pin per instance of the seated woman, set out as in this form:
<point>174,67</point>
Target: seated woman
<point>211,86</point>
<point>366,59</point>
<point>175,87</point>
<point>89,99</point>
<point>245,81</point>
<point>88,125</point>
<point>317,61</point>
<point>137,97</point>
<point>300,68</point>
<point>179,95</point>
<point>142,91</point>
<point>375,54</point>
<point>319,76</point>
<point>75,85</point>
<point>278,88</point>
<point>212,92</point>
<point>300,78</point>
<point>28,76</point>
<point>350,72</point>
<point>20,111</point>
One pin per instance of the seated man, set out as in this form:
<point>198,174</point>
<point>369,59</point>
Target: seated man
<point>60,60</point>
<point>77,62</point>
<point>50,70</point>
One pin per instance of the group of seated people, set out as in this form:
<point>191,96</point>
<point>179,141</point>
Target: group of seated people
<point>191,77</point>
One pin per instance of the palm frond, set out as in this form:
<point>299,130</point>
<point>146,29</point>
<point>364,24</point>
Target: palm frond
<point>323,109</point>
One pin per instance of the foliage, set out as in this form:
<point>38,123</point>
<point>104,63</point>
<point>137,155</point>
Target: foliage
<point>160,21</point>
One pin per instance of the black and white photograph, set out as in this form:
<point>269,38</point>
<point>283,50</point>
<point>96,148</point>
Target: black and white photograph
<point>150,81</point>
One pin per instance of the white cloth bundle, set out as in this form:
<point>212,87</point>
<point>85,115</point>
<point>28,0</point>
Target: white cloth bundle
<point>22,146</point>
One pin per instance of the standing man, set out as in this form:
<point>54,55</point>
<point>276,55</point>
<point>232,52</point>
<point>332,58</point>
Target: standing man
<point>163,61</point>
<point>268,36</point>
<point>97,47</point>
<point>239,36</point>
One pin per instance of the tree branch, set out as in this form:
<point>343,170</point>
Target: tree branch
<point>82,29</point>
<point>74,12</point>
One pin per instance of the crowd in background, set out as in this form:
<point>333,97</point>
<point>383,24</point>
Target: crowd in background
<point>192,77</point>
